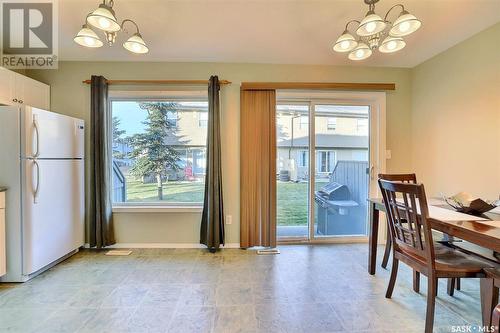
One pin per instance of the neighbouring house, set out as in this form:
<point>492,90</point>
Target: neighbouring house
<point>341,133</point>
<point>188,138</point>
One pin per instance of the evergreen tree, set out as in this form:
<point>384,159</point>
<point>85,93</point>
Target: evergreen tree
<point>153,155</point>
<point>117,138</point>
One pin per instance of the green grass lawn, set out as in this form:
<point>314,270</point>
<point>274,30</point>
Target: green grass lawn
<point>292,203</point>
<point>291,197</point>
<point>172,191</point>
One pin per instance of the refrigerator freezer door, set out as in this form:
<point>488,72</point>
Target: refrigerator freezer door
<point>53,207</point>
<point>51,135</point>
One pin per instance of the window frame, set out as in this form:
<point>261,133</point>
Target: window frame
<point>174,121</point>
<point>328,154</point>
<point>331,124</point>
<point>204,121</point>
<point>167,96</point>
<point>304,124</point>
<point>303,159</point>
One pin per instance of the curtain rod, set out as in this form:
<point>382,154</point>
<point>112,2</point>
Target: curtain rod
<point>316,85</point>
<point>179,82</point>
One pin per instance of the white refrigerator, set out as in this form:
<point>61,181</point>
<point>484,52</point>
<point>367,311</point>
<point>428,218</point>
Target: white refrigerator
<point>42,164</point>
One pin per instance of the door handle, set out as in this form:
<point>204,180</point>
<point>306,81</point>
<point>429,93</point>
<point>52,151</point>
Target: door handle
<point>372,169</point>
<point>37,186</point>
<point>37,135</point>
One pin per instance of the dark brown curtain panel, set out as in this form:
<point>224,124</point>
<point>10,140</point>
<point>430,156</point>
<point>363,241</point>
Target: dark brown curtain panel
<point>212,220</point>
<point>100,214</point>
<point>258,168</point>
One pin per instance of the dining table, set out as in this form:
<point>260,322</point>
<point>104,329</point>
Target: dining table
<point>477,234</point>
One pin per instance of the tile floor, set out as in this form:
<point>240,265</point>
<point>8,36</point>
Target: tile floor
<point>323,288</point>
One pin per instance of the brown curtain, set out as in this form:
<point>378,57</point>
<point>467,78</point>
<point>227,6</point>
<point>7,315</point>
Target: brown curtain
<point>258,168</point>
<point>100,214</point>
<point>212,219</point>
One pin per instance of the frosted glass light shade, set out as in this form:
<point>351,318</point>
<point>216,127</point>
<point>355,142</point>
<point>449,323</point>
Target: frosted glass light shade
<point>361,52</point>
<point>371,25</point>
<point>87,37</point>
<point>392,44</point>
<point>345,43</point>
<point>104,18</point>
<point>136,44</point>
<point>404,25</point>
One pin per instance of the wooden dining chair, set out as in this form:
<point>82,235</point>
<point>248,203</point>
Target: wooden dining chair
<point>496,319</point>
<point>489,297</point>
<point>413,243</point>
<point>409,178</point>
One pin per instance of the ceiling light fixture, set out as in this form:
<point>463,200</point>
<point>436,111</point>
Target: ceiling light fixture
<point>104,19</point>
<point>87,37</point>
<point>374,33</point>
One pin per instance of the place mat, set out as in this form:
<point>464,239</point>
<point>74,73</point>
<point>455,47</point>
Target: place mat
<point>444,214</point>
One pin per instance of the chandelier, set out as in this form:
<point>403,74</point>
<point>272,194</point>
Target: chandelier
<point>374,33</point>
<point>104,19</point>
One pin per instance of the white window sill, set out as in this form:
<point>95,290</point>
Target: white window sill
<point>157,209</point>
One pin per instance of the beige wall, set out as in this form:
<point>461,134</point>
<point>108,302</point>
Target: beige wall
<point>71,97</point>
<point>443,121</point>
<point>456,118</point>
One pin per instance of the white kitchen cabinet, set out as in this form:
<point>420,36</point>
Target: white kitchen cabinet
<point>3,263</point>
<point>19,93</point>
<point>35,93</point>
<point>19,89</point>
<point>6,86</point>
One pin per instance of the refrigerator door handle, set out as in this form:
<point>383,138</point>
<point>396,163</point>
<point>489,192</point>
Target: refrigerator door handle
<point>37,136</point>
<point>37,186</point>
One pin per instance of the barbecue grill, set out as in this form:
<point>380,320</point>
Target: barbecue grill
<point>333,204</point>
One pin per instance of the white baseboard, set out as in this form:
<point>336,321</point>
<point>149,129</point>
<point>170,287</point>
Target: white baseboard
<point>166,246</point>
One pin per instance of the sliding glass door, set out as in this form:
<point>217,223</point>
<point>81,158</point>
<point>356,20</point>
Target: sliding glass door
<point>323,179</point>
<point>341,142</point>
<point>292,188</point>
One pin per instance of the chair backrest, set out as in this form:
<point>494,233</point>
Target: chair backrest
<point>496,318</point>
<point>410,178</point>
<point>407,216</point>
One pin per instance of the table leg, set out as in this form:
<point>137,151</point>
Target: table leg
<point>372,238</point>
<point>489,299</point>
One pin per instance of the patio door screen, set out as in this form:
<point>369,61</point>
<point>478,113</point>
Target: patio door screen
<point>328,151</point>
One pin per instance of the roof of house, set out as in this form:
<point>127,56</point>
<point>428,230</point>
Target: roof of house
<point>328,141</point>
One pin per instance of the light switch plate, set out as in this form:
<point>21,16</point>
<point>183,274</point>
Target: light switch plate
<point>388,154</point>
<point>229,219</point>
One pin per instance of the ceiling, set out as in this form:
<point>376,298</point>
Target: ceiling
<point>271,31</point>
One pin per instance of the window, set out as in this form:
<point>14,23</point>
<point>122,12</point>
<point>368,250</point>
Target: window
<point>159,151</point>
<point>203,119</point>
<point>332,124</point>
<point>199,161</point>
<point>325,161</point>
<point>172,118</point>
<point>362,127</point>
<point>303,158</point>
<point>304,122</point>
